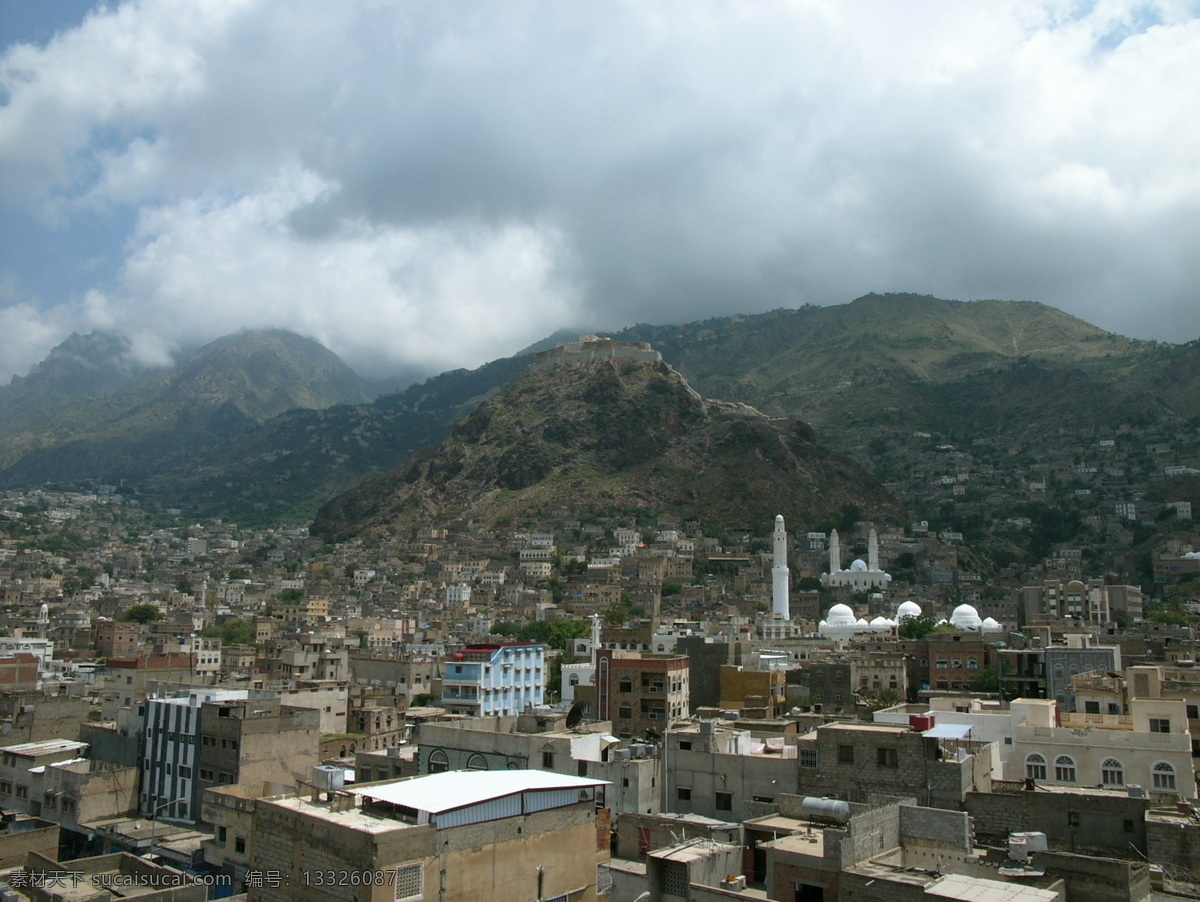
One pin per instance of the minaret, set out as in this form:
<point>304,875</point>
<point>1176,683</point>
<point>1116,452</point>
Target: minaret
<point>595,639</point>
<point>872,551</point>
<point>835,552</point>
<point>779,573</point>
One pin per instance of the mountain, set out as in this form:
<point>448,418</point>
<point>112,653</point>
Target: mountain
<point>861,374</point>
<point>610,435</point>
<point>156,418</point>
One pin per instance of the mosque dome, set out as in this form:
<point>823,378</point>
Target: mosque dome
<point>863,623</point>
<point>859,566</point>
<point>965,617</point>
<point>821,626</point>
<point>908,609</point>
<point>881,623</point>
<point>990,625</point>
<point>840,615</point>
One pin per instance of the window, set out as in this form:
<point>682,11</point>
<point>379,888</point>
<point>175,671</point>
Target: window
<point>408,882</point>
<point>438,762</point>
<point>185,772</point>
<point>22,792</point>
<point>685,746</point>
<point>1035,767</point>
<point>1160,725</point>
<point>768,800</point>
<point>1064,769</point>
<point>1112,772</point>
<point>239,845</point>
<point>477,762</point>
<point>887,757</point>
<point>1163,774</point>
<point>808,758</point>
<point>723,800</point>
<point>1114,708</point>
<point>548,757</point>
<point>1193,712</point>
<point>845,754</point>
<point>625,685</point>
<point>683,793</point>
<point>1091,707</point>
<point>222,834</point>
<point>625,712</point>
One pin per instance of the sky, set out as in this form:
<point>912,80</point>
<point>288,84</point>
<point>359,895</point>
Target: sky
<point>427,185</point>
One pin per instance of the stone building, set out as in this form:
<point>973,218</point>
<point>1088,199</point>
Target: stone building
<point>459,836</point>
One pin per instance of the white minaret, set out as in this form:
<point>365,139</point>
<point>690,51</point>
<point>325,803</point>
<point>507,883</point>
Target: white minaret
<point>872,551</point>
<point>595,642</point>
<point>835,552</point>
<point>779,573</point>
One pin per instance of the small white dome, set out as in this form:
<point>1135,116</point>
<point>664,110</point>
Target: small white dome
<point>822,624</point>
<point>908,609</point>
<point>840,615</point>
<point>991,625</point>
<point>881,624</point>
<point>965,617</point>
<point>859,566</point>
<point>862,622</point>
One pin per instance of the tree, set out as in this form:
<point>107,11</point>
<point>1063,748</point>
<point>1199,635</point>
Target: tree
<point>986,680</point>
<point>142,613</point>
<point>231,632</point>
<point>917,627</point>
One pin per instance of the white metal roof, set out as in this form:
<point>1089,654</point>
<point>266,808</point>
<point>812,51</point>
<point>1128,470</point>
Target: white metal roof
<point>962,888</point>
<point>47,747</point>
<point>948,731</point>
<point>456,789</point>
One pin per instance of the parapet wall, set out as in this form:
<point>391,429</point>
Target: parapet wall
<point>589,347</point>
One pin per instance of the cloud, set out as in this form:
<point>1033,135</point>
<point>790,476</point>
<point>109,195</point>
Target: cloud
<point>436,184</point>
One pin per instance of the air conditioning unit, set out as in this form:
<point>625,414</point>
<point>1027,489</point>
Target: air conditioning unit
<point>328,777</point>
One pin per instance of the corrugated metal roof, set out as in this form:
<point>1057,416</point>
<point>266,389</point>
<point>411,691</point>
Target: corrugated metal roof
<point>48,747</point>
<point>948,731</point>
<point>963,888</point>
<point>456,789</point>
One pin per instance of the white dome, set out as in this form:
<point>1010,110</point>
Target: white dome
<point>965,617</point>
<point>881,623</point>
<point>991,625</point>
<point>821,626</point>
<point>862,622</point>
<point>859,566</point>
<point>908,609</point>
<point>840,615</point>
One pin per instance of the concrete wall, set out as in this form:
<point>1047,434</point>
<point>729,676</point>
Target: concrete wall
<point>25,836</point>
<point>1097,879</point>
<point>743,777</point>
<point>1072,821</point>
<point>1174,840</point>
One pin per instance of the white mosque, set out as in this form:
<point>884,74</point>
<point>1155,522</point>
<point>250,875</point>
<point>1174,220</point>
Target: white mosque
<point>862,575</point>
<point>841,624</point>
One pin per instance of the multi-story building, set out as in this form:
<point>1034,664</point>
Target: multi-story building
<point>1150,747</point>
<point>641,694</point>
<point>457,837</point>
<point>170,746</point>
<point>501,678</point>
<point>255,739</point>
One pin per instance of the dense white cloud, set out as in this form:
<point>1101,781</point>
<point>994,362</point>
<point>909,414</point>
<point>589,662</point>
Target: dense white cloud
<point>436,184</point>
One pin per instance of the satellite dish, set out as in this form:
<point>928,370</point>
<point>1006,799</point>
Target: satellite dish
<point>575,715</point>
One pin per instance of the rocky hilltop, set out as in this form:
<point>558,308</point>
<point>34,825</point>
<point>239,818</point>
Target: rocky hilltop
<point>615,434</point>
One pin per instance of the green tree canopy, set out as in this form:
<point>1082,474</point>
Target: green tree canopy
<point>142,613</point>
<point>917,627</point>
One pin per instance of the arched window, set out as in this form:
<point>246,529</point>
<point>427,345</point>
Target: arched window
<point>626,684</point>
<point>625,711</point>
<point>1035,766</point>
<point>1064,769</point>
<point>477,762</point>
<point>574,680</point>
<point>438,762</point>
<point>1163,774</point>
<point>1112,772</point>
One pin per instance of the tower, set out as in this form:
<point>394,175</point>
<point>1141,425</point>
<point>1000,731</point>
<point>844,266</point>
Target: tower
<point>835,552</point>
<point>779,574</point>
<point>872,551</point>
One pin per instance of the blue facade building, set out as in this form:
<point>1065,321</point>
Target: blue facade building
<point>505,678</point>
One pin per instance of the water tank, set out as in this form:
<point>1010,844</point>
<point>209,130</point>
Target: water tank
<point>920,722</point>
<point>826,809</point>
<point>621,754</point>
<point>706,727</point>
<point>326,776</point>
<point>1135,792</point>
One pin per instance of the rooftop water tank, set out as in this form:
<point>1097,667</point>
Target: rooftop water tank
<point>826,809</point>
